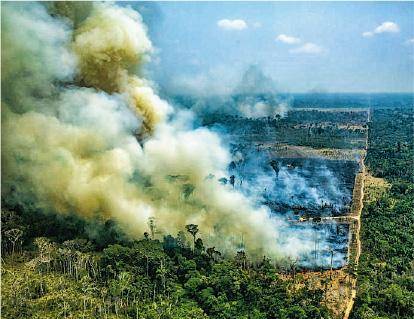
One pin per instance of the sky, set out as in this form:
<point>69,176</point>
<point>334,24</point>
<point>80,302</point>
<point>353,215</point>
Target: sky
<point>205,47</point>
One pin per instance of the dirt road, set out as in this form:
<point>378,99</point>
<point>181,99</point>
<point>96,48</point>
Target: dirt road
<point>354,250</point>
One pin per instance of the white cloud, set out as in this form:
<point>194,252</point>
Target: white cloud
<point>385,27</point>
<point>368,34</point>
<point>236,24</point>
<point>287,39</point>
<point>308,48</point>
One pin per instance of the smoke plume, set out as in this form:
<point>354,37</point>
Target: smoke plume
<point>252,95</point>
<point>84,133</point>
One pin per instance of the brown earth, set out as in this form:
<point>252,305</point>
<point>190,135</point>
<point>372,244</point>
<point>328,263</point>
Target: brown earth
<point>339,285</point>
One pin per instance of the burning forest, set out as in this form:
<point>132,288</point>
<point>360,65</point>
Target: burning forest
<point>85,134</point>
<point>131,191</point>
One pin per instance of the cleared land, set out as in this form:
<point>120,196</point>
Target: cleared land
<point>334,137</point>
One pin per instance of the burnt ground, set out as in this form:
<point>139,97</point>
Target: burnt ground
<point>304,168</point>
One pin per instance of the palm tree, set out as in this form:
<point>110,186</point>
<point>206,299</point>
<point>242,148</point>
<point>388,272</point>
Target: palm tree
<point>193,230</point>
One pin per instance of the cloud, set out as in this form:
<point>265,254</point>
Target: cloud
<point>368,34</point>
<point>236,24</point>
<point>385,27</point>
<point>409,41</point>
<point>308,48</point>
<point>287,39</point>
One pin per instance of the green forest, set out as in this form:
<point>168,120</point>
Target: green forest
<point>63,277</point>
<point>386,266</point>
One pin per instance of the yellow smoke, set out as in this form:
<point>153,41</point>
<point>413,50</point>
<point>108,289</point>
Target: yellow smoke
<point>73,149</point>
<point>111,44</point>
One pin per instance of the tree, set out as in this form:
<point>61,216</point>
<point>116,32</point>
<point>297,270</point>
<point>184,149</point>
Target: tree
<point>193,230</point>
<point>212,253</point>
<point>293,266</point>
<point>152,227</point>
<point>169,244</point>
<point>13,235</point>
<point>182,240</point>
<point>162,273</point>
<point>199,246</point>
<point>241,259</point>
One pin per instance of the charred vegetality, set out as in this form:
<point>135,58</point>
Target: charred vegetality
<point>308,192</point>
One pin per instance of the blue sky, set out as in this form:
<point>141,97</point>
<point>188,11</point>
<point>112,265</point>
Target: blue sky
<point>302,46</point>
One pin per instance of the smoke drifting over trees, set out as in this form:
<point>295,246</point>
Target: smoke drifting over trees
<point>84,134</point>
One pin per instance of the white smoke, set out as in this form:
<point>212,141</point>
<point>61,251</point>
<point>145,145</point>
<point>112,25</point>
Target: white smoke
<point>72,109</point>
<point>263,109</point>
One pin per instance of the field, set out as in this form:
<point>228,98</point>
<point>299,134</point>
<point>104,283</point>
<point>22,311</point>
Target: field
<point>315,161</point>
<point>304,167</point>
<point>338,129</point>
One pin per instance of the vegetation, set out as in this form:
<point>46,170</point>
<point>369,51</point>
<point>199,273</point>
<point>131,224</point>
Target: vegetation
<point>177,277</point>
<point>63,267</point>
<point>386,268</point>
<point>314,128</point>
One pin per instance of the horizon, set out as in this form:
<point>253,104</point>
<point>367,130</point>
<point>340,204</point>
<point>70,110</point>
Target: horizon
<point>300,47</point>
<point>316,93</point>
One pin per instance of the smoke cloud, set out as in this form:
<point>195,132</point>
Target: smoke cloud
<point>251,94</point>
<point>254,84</point>
<point>109,44</point>
<point>291,187</point>
<point>84,133</point>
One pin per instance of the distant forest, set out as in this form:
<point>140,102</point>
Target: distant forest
<point>312,100</point>
<point>386,268</point>
<point>350,100</point>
